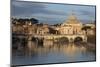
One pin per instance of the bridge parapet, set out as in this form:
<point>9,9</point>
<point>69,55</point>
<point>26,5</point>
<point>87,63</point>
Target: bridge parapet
<point>70,37</point>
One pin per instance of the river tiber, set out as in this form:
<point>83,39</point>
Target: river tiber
<point>36,42</point>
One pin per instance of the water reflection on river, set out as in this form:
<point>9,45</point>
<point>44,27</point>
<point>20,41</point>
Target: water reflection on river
<point>51,53</point>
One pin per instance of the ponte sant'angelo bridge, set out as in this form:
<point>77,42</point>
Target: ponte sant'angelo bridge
<point>45,38</point>
<point>71,38</point>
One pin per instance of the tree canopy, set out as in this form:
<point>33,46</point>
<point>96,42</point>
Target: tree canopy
<point>22,20</point>
<point>86,27</point>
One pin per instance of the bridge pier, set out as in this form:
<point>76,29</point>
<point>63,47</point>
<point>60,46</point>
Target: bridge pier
<point>19,44</point>
<point>47,43</point>
<point>42,39</point>
<point>71,40</point>
<point>29,43</point>
<point>85,39</point>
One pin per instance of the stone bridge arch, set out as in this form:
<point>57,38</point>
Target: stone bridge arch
<point>74,38</point>
<point>70,38</point>
<point>64,39</point>
<point>78,39</point>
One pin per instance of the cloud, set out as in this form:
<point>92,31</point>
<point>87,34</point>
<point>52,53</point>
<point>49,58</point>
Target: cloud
<point>51,13</point>
<point>88,13</point>
<point>25,8</point>
<point>30,8</point>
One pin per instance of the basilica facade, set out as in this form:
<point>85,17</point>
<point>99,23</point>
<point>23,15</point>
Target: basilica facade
<point>71,26</point>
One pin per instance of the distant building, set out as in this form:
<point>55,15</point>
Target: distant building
<point>42,30</point>
<point>92,29</point>
<point>18,29</point>
<point>32,29</point>
<point>90,32</point>
<point>92,25</point>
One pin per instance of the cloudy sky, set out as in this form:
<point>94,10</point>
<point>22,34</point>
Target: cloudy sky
<point>51,13</point>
